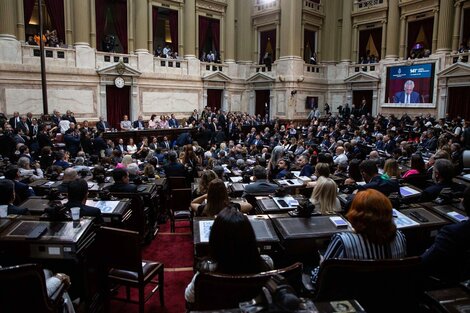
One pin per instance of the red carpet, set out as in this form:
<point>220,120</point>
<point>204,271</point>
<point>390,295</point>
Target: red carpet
<point>175,251</point>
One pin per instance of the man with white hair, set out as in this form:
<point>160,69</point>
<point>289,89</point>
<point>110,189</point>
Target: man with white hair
<point>340,157</point>
<point>407,95</point>
<point>24,168</point>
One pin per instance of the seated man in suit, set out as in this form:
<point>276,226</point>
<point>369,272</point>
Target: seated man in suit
<point>173,122</point>
<point>374,180</point>
<point>306,168</point>
<point>22,191</point>
<point>7,196</point>
<point>408,95</point>
<point>77,196</point>
<point>443,173</point>
<point>261,184</point>
<point>139,124</point>
<point>70,174</point>
<point>121,182</point>
<point>102,125</point>
<point>449,257</point>
<point>174,168</point>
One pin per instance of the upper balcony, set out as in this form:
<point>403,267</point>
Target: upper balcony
<point>366,5</point>
<point>461,57</point>
<point>261,7</point>
<point>313,6</point>
<point>369,67</point>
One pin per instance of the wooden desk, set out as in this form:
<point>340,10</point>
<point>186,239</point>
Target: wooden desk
<point>266,205</point>
<point>120,215</point>
<point>265,234</point>
<point>171,133</point>
<point>300,236</point>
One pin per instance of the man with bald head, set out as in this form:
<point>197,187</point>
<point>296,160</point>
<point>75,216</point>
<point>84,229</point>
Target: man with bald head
<point>340,157</point>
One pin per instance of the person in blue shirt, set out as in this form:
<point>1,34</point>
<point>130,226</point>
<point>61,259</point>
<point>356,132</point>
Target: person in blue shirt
<point>306,168</point>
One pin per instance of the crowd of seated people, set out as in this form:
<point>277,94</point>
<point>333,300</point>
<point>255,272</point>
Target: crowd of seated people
<point>371,154</point>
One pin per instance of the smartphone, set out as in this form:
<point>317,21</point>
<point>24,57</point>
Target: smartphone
<point>283,203</point>
<point>457,216</point>
<point>338,221</point>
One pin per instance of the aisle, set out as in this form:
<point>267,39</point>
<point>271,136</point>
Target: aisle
<point>176,252</point>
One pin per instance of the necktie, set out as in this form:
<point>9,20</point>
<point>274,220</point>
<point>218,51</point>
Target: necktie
<point>407,99</point>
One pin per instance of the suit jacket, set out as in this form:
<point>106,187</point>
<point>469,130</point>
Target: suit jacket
<point>138,124</point>
<point>385,186</point>
<point>449,256</point>
<point>307,170</point>
<point>260,187</point>
<point>100,127</point>
<point>173,122</point>
<point>14,122</point>
<point>175,169</point>
<point>120,187</point>
<point>399,97</point>
<point>22,192</point>
<point>86,210</point>
<point>16,210</point>
<point>164,144</point>
<point>122,148</point>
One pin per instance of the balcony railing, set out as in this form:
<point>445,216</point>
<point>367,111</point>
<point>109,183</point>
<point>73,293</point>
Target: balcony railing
<point>360,5</point>
<point>369,67</point>
<point>459,57</point>
<point>207,68</point>
<point>263,6</point>
<point>261,68</point>
<point>314,70</point>
<point>313,5</point>
<point>171,66</point>
<point>64,57</point>
<point>104,59</point>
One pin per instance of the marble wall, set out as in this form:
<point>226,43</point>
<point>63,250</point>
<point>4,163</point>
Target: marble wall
<point>179,102</point>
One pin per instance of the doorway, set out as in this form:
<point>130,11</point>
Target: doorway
<point>214,99</point>
<point>457,102</point>
<point>359,96</point>
<point>117,104</point>
<point>262,102</point>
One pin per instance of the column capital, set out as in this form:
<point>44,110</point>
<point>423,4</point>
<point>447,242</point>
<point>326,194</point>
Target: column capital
<point>435,10</point>
<point>457,4</point>
<point>355,26</point>
<point>403,18</point>
<point>383,22</point>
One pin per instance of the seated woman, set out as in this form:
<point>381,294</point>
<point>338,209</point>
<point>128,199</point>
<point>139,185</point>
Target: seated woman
<point>321,170</point>
<point>206,178</point>
<point>131,147</point>
<point>216,198</point>
<point>354,173</point>
<point>375,236</point>
<point>233,249</point>
<point>126,124</point>
<point>325,196</point>
<point>391,170</point>
<point>153,122</point>
<point>7,196</point>
<point>417,166</point>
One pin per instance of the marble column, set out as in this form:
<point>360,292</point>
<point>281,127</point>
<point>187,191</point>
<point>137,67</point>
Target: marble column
<point>354,57</point>
<point>456,31</point>
<point>402,37</point>
<point>244,31</point>
<point>230,32</point>
<point>93,41</point>
<point>444,35</point>
<point>68,22</point>
<point>8,19</point>
<point>435,30</point>
<point>190,28</point>
<point>330,31</point>
<point>346,32</point>
<point>81,24</point>
<point>291,27</point>
<point>384,39</point>
<point>392,26</point>
<point>141,26</point>
<point>20,32</point>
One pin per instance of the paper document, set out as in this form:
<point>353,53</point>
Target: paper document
<point>104,206</point>
<point>205,230</point>
<point>403,221</point>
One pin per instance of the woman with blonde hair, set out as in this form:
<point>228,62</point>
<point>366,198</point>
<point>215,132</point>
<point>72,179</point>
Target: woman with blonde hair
<point>391,170</point>
<point>325,196</point>
<point>206,178</point>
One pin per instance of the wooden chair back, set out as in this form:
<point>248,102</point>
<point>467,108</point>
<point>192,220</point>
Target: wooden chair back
<point>378,285</point>
<point>215,291</point>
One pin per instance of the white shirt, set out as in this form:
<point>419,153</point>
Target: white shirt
<point>64,125</point>
<point>341,159</point>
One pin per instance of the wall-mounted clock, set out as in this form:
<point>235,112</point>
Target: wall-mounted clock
<point>119,82</point>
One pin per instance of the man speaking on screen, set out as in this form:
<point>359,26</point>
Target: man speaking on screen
<point>408,95</point>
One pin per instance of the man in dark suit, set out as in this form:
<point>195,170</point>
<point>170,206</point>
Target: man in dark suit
<point>77,196</point>
<point>56,118</point>
<point>22,191</point>
<point>261,184</point>
<point>23,125</point>
<point>69,116</point>
<point>173,122</point>
<point>370,173</point>
<point>408,95</point>
<point>102,125</point>
<point>443,173</point>
<point>121,146</point>
<point>121,182</point>
<point>139,124</point>
<point>174,168</point>
<point>7,197</point>
<point>306,168</point>
<point>449,257</point>
<point>165,144</point>
<point>13,121</point>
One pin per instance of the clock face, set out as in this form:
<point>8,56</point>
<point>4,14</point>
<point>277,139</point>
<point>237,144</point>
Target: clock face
<point>119,82</point>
